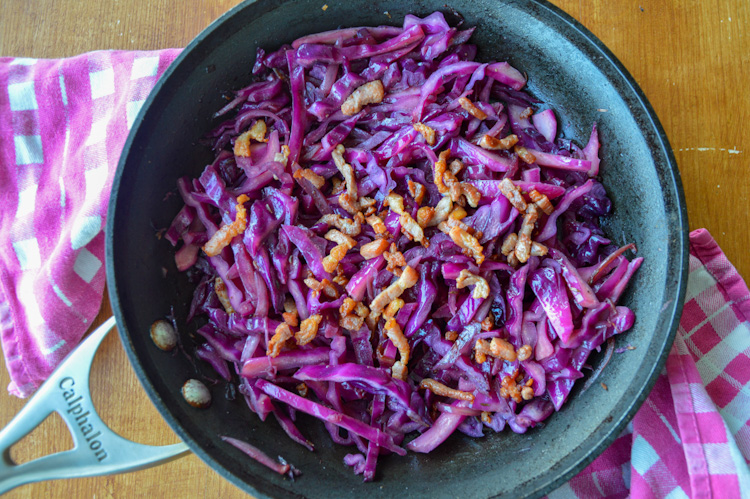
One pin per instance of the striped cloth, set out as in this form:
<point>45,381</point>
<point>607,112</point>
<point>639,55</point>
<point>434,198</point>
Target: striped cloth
<point>62,127</point>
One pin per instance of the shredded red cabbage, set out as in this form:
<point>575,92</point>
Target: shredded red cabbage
<point>396,241</point>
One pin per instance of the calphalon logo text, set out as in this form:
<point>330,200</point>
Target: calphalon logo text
<point>76,409</point>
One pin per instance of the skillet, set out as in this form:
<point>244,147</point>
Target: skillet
<point>567,68</point>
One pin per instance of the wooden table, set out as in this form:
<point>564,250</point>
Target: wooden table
<point>692,59</point>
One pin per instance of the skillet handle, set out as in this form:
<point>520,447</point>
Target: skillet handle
<point>97,450</point>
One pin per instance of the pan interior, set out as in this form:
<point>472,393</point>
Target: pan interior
<point>568,69</point>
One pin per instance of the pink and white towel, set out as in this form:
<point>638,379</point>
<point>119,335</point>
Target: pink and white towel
<point>62,127</point>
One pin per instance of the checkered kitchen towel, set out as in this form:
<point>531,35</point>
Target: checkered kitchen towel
<point>62,127</point>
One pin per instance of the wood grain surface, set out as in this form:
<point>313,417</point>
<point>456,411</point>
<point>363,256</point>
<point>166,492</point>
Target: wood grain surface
<point>691,58</point>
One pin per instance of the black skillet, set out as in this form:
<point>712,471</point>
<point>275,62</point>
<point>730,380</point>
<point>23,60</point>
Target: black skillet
<point>567,68</point>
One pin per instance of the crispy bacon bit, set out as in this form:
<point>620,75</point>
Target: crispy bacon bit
<point>346,171</point>
<point>340,278</point>
<point>524,154</point>
<point>427,132</point>
<point>308,330</point>
<point>338,186</point>
<point>345,243</point>
<point>413,229</point>
<point>258,131</point>
<point>604,385</point>
<point>468,243</point>
<point>523,247</point>
<point>458,213</point>
<point>310,175</point>
<point>347,307</point>
<point>527,393</point>
<point>542,201</point>
<point>538,249</point>
<point>394,333</point>
<point>494,144</point>
<point>456,166</point>
<point>361,310</point>
<point>439,169</point>
<point>480,357</point>
<point>290,318</point>
<point>350,227</point>
<point>416,190</point>
<point>351,322</point>
<point>502,349</point>
<point>486,417</point>
<point>488,322</point>
<point>395,260</point>
<point>513,260</point>
<point>451,335</point>
<point>408,279</point>
<point>509,389</point>
<point>221,292</point>
<point>325,286</point>
<point>395,203</point>
<point>472,109</point>
<point>377,224</point>
<point>443,391</point>
<point>373,249</point>
<point>424,215</point>
<point>442,210</point>
<point>223,237</point>
<point>509,245</point>
<point>301,389</point>
<point>283,156</point>
<point>466,279</point>
<point>369,93</point>
<point>524,353</point>
<point>471,193</point>
<point>276,343</point>
<point>392,309</point>
<point>526,113</point>
<point>513,193</point>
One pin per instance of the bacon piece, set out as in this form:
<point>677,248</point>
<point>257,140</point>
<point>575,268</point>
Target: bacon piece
<point>472,109</point>
<point>468,243</point>
<point>424,215</point>
<point>466,279</point>
<point>310,175</point>
<point>443,391</point>
<point>538,249</point>
<point>488,322</point>
<point>373,249</point>
<point>377,224</point>
<point>395,260</point>
<point>361,310</point>
<point>395,203</point>
<point>523,247</point>
<point>451,335</point>
<point>394,333</point>
<point>347,307</point>
<point>456,166</point>
<point>458,214</point>
<point>509,245</point>
<point>283,156</point>
<point>301,389</point>
<point>494,144</point>
<point>354,206</point>
<point>280,336</point>
<point>308,330</point>
<point>416,190</point>
<point>221,293</point>
<point>513,193</point>
<point>223,237</point>
<point>439,168</point>
<point>509,388</point>
<point>524,154</point>
<point>350,227</point>
<point>413,229</point>
<point>392,309</point>
<point>542,201</point>
<point>427,132</point>
<point>290,313</point>
<point>442,211</point>
<point>346,171</point>
<point>526,113</point>
<point>325,286</point>
<point>501,349</point>
<point>408,279</point>
<point>369,93</point>
<point>527,393</point>
<point>344,244</point>
<point>524,353</point>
